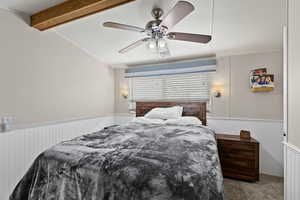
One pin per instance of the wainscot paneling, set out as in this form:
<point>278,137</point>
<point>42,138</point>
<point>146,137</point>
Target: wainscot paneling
<point>292,172</point>
<point>267,132</point>
<point>18,148</point>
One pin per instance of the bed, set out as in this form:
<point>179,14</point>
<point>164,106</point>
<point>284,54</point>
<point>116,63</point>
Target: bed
<point>135,161</point>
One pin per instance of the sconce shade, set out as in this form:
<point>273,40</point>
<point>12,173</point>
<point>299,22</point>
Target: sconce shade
<point>124,93</point>
<point>218,90</point>
<point>217,94</point>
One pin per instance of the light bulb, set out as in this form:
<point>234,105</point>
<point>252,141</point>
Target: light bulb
<point>161,43</point>
<point>151,45</point>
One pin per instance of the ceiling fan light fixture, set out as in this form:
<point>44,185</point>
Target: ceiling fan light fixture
<point>162,48</point>
<point>152,44</point>
<point>161,43</point>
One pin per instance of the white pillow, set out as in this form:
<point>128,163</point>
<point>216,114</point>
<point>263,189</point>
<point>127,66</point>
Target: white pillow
<point>184,121</point>
<point>145,120</point>
<point>165,113</point>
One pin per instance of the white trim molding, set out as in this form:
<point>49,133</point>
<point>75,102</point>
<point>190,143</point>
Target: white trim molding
<point>244,119</point>
<point>291,172</point>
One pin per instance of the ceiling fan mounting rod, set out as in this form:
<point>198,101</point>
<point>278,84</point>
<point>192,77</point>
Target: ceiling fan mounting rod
<point>157,13</point>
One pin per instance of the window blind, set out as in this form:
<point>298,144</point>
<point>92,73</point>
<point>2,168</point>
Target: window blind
<point>185,67</point>
<point>180,87</point>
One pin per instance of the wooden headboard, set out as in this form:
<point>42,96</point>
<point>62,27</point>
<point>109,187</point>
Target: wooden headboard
<point>196,109</point>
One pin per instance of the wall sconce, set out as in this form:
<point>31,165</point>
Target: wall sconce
<point>218,90</point>
<point>217,94</point>
<point>124,93</point>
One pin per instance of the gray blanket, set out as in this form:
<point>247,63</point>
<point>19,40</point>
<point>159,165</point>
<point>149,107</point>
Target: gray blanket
<point>130,162</point>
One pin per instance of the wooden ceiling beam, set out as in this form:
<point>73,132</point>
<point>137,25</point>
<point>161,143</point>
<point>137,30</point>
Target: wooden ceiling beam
<point>71,10</point>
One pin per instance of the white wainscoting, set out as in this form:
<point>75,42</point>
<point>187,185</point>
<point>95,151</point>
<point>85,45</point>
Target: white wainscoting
<point>267,132</point>
<point>19,148</point>
<point>292,172</point>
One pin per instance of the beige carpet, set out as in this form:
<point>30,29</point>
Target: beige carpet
<point>268,188</point>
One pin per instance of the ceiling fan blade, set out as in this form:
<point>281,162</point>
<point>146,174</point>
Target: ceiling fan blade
<point>123,26</point>
<point>176,14</point>
<point>189,37</point>
<point>134,45</point>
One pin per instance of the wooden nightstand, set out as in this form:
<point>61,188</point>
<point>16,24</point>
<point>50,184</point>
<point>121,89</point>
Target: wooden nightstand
<point>239,157</point>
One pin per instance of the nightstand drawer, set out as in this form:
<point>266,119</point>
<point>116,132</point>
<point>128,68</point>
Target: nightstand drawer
<point>244,175</point>
<point>242,171</point>
<point>235,145</point>
<point>237,163</point>
<point>239,157</point>
<point>232,153</point>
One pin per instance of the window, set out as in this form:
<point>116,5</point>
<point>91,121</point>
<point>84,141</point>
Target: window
<point>174,81</point>
<point>179,87</point>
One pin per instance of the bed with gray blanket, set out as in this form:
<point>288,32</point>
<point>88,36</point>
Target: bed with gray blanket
<point>135,161</point>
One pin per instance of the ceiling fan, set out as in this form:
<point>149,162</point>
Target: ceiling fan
<point>157,30</point>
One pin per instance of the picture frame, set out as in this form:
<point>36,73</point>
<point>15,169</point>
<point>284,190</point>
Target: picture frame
<point>261,81</point>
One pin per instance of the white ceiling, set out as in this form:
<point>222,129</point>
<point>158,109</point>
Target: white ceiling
<point>29,6</point>
<point>239,26</point>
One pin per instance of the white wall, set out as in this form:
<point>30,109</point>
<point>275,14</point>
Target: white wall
<point>294,73</point>
<point>237,101</point>
<point>121,104</point>
<point>45,78</point>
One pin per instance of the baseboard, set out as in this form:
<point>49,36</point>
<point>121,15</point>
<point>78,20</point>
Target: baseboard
<point>291,172</point>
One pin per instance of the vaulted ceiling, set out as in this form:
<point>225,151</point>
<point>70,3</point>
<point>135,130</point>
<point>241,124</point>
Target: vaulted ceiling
<point>238,26</point>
